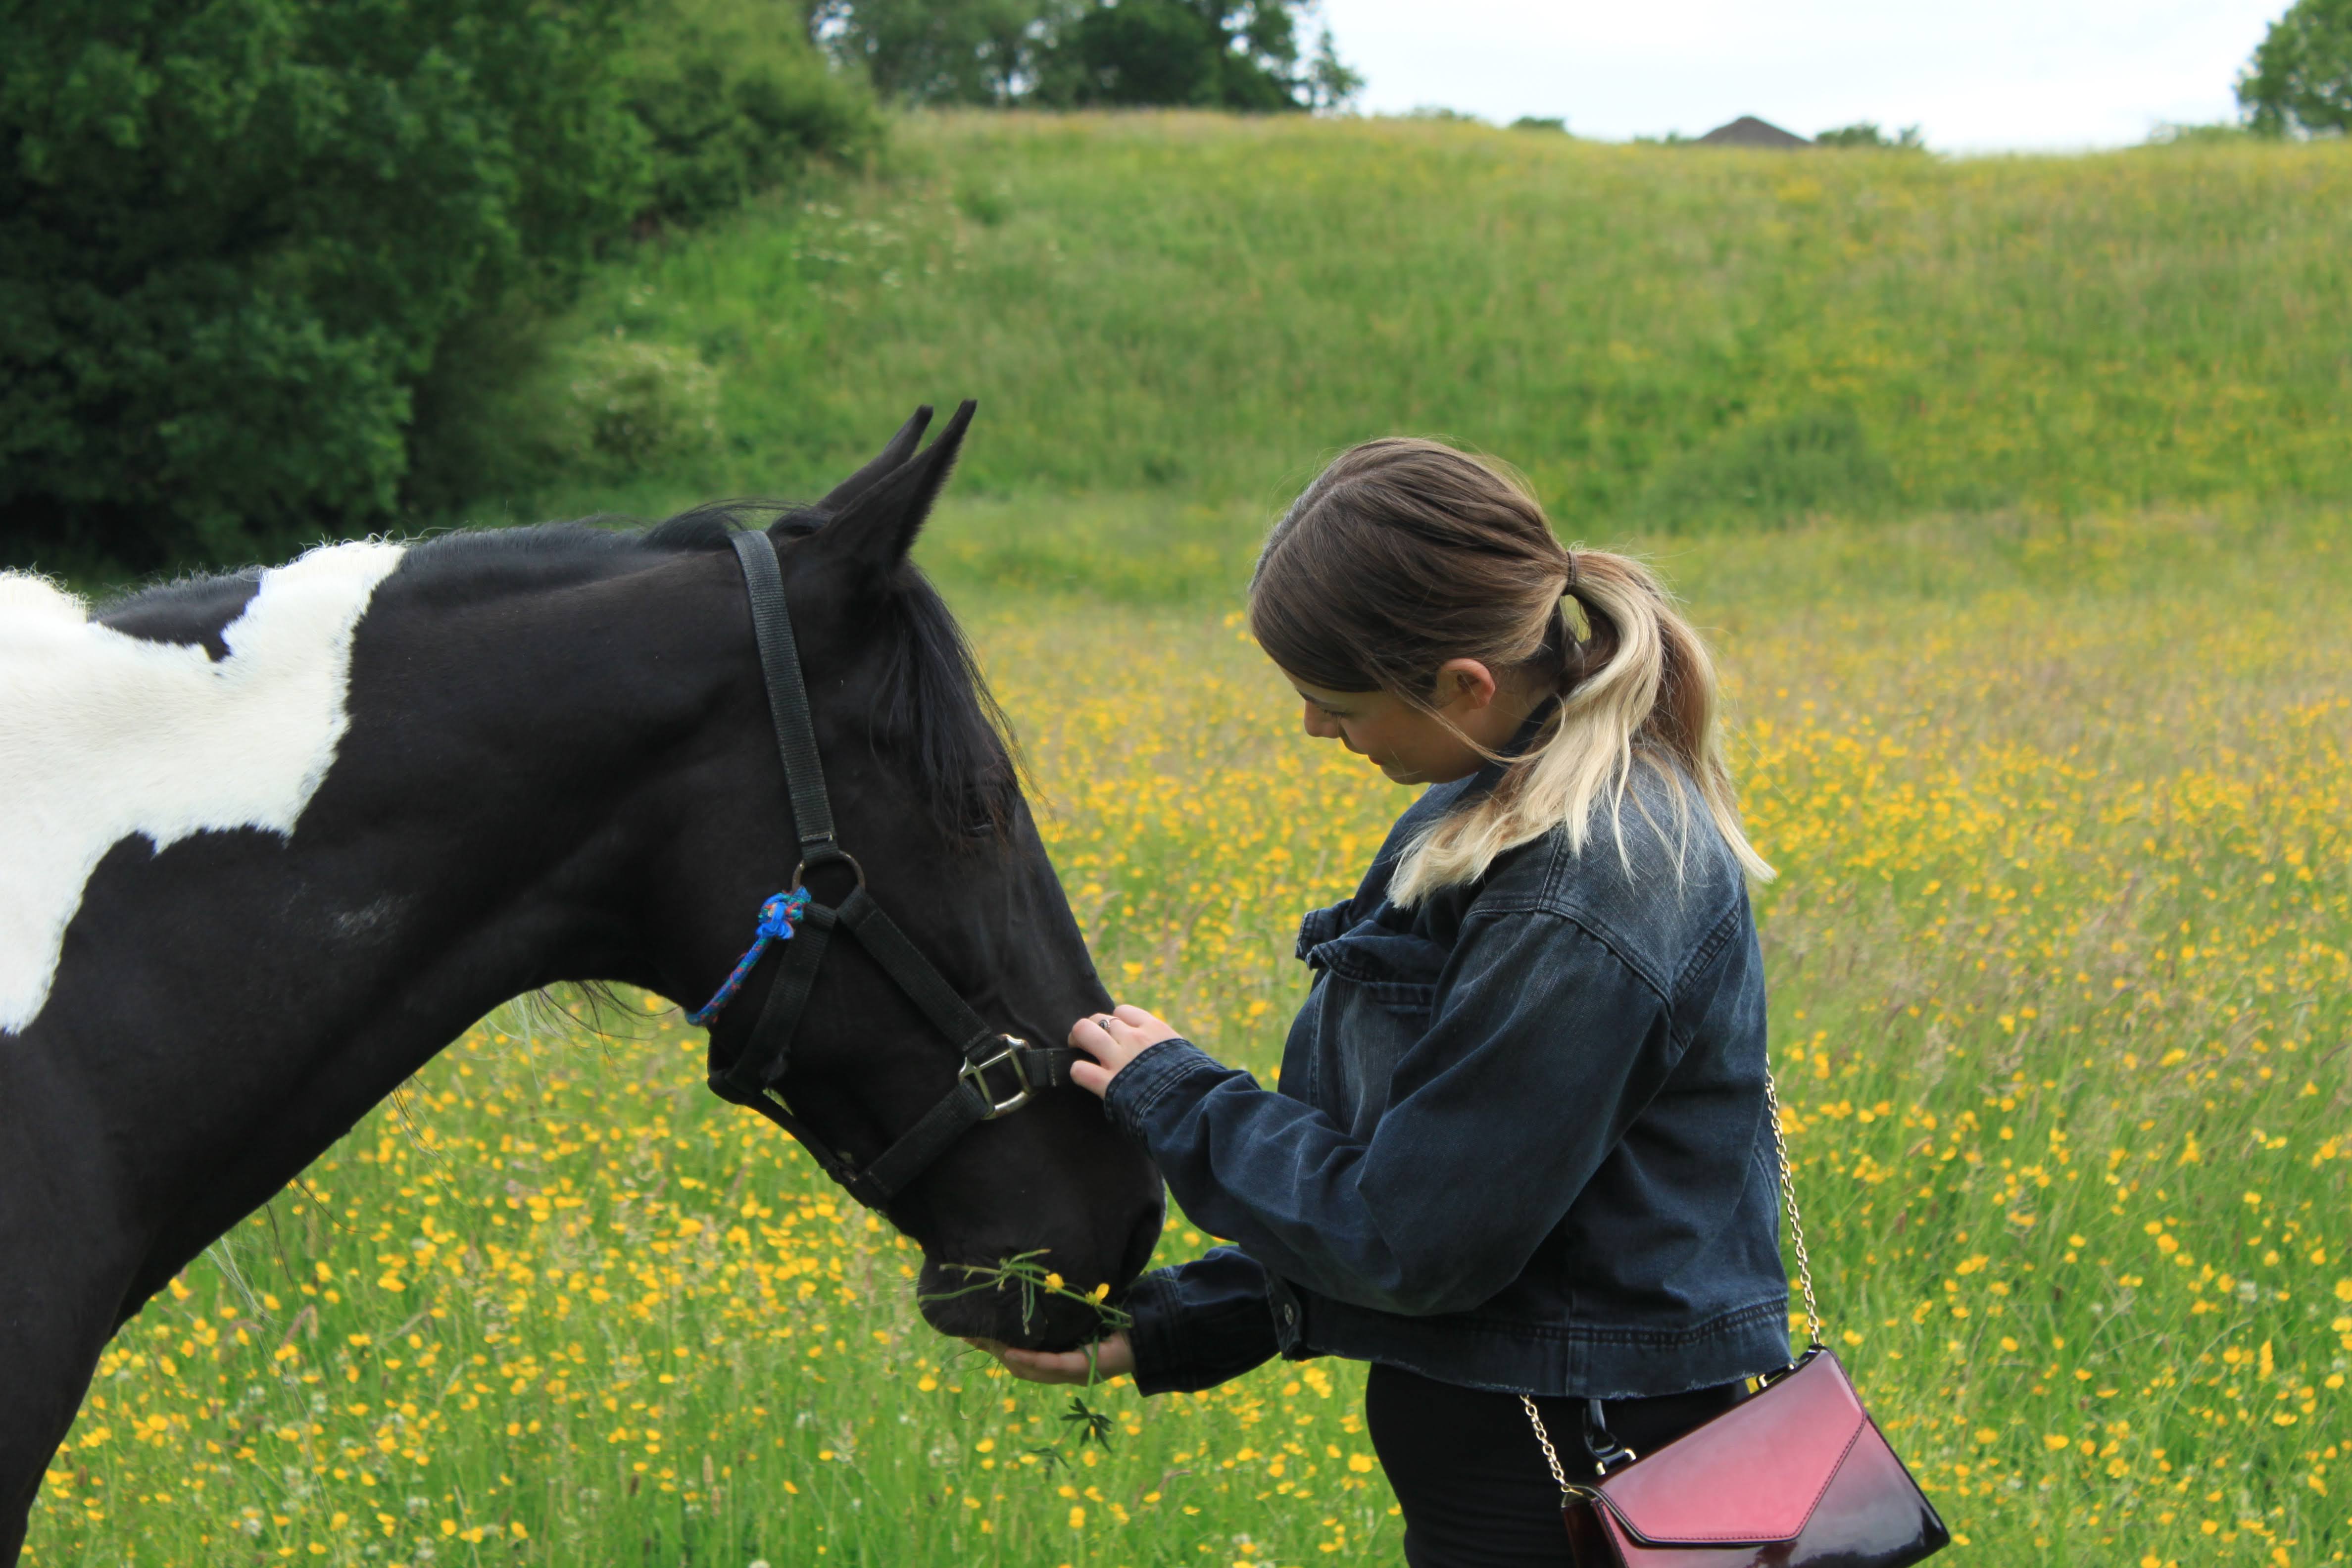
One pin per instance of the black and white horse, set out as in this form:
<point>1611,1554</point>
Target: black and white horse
<point>268,842</point>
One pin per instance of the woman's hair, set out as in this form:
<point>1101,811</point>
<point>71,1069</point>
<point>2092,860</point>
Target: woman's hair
<point>1405,554</point>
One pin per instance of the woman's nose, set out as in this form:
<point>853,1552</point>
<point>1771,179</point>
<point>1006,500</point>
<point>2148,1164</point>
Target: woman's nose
<point>1321,725</point>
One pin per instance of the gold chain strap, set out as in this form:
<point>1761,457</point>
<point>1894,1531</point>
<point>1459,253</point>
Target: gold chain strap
<point>1804,1279</point>
<point>1789,1195</point>
<point>1551,1454</point>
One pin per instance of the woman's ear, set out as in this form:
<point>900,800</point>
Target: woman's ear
<point>1466,684</point>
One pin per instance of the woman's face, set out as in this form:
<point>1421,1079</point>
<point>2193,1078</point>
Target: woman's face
<point>1409,744</point>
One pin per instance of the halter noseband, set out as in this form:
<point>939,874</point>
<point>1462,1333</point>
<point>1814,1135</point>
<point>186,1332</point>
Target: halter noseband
<point>803,925</point>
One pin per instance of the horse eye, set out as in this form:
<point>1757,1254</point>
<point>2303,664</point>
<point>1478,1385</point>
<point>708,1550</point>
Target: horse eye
<point>979,818</point>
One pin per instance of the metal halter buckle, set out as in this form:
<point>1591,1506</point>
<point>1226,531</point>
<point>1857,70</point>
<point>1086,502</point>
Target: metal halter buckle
<point>974,1073</point>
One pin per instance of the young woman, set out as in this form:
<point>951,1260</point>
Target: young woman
<point>1520,1144</point>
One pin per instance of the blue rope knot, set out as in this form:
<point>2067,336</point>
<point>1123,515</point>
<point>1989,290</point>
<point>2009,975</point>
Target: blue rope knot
<point>778,915</point>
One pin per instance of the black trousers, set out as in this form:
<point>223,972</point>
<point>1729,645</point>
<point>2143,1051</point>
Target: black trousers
<point>1473,1482</point>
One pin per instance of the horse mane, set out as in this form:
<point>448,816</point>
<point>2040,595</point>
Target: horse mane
<point>935,702</point>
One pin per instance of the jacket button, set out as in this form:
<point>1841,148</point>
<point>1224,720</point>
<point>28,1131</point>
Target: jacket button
<point>1289,1315</point>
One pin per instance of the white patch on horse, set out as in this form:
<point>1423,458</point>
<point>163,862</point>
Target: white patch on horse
<point>104,735</point>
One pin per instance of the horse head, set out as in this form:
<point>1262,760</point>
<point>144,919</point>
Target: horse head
<point>927,796</point>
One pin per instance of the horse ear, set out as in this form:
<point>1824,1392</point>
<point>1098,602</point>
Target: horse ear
<point>879,527</point>
<point>892,458</point>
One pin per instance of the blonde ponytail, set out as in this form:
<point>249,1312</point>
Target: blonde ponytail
<point>1650,703</point>
<point>1404,554</point>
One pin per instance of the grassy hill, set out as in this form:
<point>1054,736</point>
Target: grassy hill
<point>1182,311</point>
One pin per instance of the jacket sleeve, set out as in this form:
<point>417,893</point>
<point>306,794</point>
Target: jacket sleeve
<point>1543,1047</point>
<point>1200,1323</point>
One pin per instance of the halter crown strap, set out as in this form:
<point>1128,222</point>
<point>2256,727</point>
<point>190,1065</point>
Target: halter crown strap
<point>788,710</point>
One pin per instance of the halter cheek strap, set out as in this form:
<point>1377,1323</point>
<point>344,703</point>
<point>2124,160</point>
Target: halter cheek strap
<point>998,1072</point>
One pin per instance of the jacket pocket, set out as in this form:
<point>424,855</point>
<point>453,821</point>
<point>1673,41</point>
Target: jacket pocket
<point>1397,969</point>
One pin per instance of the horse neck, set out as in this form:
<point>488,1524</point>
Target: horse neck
<point>474,838</point>
<point>507,756</point>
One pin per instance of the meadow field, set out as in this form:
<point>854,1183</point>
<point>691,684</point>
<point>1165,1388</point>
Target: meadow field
<point>2040,702</point>
<point>2059,952</point>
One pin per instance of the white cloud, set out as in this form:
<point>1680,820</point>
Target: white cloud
<point>1993,75</point>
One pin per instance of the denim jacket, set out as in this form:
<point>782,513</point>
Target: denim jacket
<point>1521,1138</point>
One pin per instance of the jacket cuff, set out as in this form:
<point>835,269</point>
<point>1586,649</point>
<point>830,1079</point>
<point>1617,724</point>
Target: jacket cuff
<point>1152,1310</point>
<point>1162,1070</point>
<point>1200,1323</point>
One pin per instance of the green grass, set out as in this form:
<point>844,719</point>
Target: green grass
<point>2013,493</point>
<point>2060,957</point>
<point>1190,310</point>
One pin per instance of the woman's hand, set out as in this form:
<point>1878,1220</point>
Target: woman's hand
<point>1112,1357</point>
<point>1113,1040</point>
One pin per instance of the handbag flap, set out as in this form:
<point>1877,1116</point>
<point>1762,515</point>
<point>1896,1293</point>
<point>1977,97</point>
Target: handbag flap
<point>1753,1473</point>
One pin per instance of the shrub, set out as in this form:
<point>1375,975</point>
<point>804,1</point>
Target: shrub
<point>736,100</point>
<point>633,404</point>
<point>268,267</point>
<point>2300,80</point>
<point>232,234</point>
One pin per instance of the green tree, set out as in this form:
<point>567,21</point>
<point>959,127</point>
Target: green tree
<point>2300,80</point>
<point>940,51</point>
<point>263,262</point>
<point>1866,133</point>
<point>232,233</point>
<point>1144,52</point>
<point>736,100</point>
<point>1210,54</point>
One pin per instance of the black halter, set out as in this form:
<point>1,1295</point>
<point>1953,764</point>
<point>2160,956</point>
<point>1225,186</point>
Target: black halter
<point>756,1074</point>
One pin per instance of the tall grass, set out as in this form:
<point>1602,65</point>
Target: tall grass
<point>1191,308</point>
<point>2060,958</point>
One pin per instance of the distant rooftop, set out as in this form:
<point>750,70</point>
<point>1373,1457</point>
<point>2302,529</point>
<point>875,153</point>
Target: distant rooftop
<point>1749,132</point>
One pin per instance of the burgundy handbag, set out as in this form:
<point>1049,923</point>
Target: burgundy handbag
<point>1797,1474</point>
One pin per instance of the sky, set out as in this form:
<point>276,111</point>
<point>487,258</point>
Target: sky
<point>1982,77</point>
